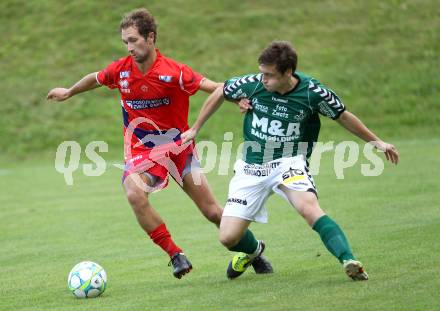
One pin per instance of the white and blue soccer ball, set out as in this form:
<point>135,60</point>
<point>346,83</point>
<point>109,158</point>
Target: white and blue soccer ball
<point>87,279</point>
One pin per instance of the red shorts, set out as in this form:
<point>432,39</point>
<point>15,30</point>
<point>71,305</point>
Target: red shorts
<point>159,162</point>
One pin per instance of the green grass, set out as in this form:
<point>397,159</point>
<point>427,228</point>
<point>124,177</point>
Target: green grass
<point>379,56</point>
<point>392,222</point>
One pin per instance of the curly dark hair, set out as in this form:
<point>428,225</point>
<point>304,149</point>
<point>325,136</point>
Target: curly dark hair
<point>142,20</point>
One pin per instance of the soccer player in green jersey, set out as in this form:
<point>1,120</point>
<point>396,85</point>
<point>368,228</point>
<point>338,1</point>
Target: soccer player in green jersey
<point>282,114</point>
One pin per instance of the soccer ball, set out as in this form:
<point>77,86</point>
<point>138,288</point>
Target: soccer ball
<point>87,279</point>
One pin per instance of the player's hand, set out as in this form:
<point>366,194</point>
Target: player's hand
<point>390,151</point>
<point>244,105</point>
<point>188,135</point>
<point>58,94</point>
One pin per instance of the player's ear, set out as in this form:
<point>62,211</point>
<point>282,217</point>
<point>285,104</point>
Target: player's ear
<point>151,37</point>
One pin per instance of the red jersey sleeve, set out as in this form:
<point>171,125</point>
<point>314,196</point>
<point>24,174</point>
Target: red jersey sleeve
<point>189,80</point>
<point>108,76</point>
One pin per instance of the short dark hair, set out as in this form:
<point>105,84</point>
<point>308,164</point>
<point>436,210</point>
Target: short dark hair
<point>142,20</point>
<point>281,54</point>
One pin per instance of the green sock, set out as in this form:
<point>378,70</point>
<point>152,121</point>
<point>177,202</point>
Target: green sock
<point>248,244</point>
<point>333,237</point>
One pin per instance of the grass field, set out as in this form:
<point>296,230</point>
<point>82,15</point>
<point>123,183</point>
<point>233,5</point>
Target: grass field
<point>381,58</point>
<point>392,221</point>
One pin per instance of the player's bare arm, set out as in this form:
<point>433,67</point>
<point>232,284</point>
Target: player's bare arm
<point>211,104</point>
<point>209,86</point>
<point>244,104</point>
<point>87,83</point>
<point>353,124</point>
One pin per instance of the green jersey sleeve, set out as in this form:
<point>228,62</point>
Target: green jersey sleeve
<point>325,101</point>
<point>241,87</point>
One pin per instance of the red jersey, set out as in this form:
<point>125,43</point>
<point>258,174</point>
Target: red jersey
<point>157,102</point>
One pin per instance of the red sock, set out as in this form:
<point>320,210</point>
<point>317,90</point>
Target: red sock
<point>162,237</point>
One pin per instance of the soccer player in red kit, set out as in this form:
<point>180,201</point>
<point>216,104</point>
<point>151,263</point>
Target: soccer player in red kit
<point>155,94</point>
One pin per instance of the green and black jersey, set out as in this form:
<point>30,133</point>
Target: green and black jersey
<point>282,125</point>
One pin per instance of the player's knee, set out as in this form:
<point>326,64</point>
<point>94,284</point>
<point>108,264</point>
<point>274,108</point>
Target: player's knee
<point>310,210</point>
<point>227,239</point>
<point>214,213</point>
<point>136,198</point>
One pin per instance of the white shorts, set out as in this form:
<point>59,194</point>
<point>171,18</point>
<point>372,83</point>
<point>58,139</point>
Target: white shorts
<point>254,183</point>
